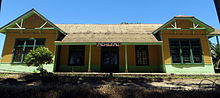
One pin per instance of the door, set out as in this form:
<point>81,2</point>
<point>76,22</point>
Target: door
<point>110,59</point>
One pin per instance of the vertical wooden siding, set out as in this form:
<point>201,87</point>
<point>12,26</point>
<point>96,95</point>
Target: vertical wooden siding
<point>96,55</point>
<point>64,54</point>
<point>155,55</point>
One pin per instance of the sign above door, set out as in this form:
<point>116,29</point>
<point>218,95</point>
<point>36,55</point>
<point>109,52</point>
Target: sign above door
<point>108,44</point>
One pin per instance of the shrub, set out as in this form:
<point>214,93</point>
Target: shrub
<point>38,58</point>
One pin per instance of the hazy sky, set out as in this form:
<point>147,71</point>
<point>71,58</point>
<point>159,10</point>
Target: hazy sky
<point>109,11</point>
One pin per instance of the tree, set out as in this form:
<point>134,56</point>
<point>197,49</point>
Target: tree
<point>215,53</point>
<point>38,58</point>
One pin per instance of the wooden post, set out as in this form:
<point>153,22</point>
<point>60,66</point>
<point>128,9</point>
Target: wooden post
<point>126,58</point>
<point>89,66</point>
<point>23,50</point>
<point>57,58</point>
<point>35,41</point>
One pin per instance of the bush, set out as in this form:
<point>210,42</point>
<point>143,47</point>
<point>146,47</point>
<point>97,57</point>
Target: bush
<point>38,58</point>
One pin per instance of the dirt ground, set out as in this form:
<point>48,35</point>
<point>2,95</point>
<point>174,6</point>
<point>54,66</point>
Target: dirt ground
<point>175,84</point>
<point>55,86</point>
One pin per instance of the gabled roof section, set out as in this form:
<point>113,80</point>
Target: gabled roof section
<point>25,16</point>
<point>215,33</point>
<point>125,33</point>
<point>195,21</point>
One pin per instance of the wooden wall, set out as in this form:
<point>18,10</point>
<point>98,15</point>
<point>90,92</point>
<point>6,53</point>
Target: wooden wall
<point>184,34</point>
<point>155,55</point>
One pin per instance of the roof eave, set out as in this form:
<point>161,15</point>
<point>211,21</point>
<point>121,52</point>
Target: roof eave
<point>26,15</point>
<point>208,28</point>
<point>122,43</point>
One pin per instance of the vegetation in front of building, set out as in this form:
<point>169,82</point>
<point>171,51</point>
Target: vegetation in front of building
<point>215,52</point>
<point>39,57</point>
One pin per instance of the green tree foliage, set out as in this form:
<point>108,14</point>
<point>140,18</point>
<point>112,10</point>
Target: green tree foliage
<point>38,58</point>
<point>215,53</point>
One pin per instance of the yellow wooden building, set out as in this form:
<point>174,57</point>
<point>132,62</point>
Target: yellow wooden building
<point>178,46</point>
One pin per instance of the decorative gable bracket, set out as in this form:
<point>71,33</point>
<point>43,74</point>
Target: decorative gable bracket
<point>196,25</point>
<point>17,24</point>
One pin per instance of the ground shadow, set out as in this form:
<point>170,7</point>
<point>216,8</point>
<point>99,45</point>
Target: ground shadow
<point>83,86</point>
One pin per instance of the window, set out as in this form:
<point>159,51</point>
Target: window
<point>141,55</point>
<point>77,55</point>
<point>23,46</point>
<point>185,51</point>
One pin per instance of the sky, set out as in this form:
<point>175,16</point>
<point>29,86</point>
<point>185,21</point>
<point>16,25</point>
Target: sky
<point>109,11</point>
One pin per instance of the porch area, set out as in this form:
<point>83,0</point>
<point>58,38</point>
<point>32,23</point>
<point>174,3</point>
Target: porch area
<point>122,58</point>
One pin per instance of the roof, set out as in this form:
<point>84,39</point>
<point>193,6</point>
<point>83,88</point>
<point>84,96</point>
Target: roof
<point>135,33</point>
<point>192,18</point>
<point>183,16</point>
<point>109,32</point>
<point>216,32</point>
<point>24,16</point>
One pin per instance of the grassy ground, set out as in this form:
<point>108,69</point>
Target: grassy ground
<point>73,86</point>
